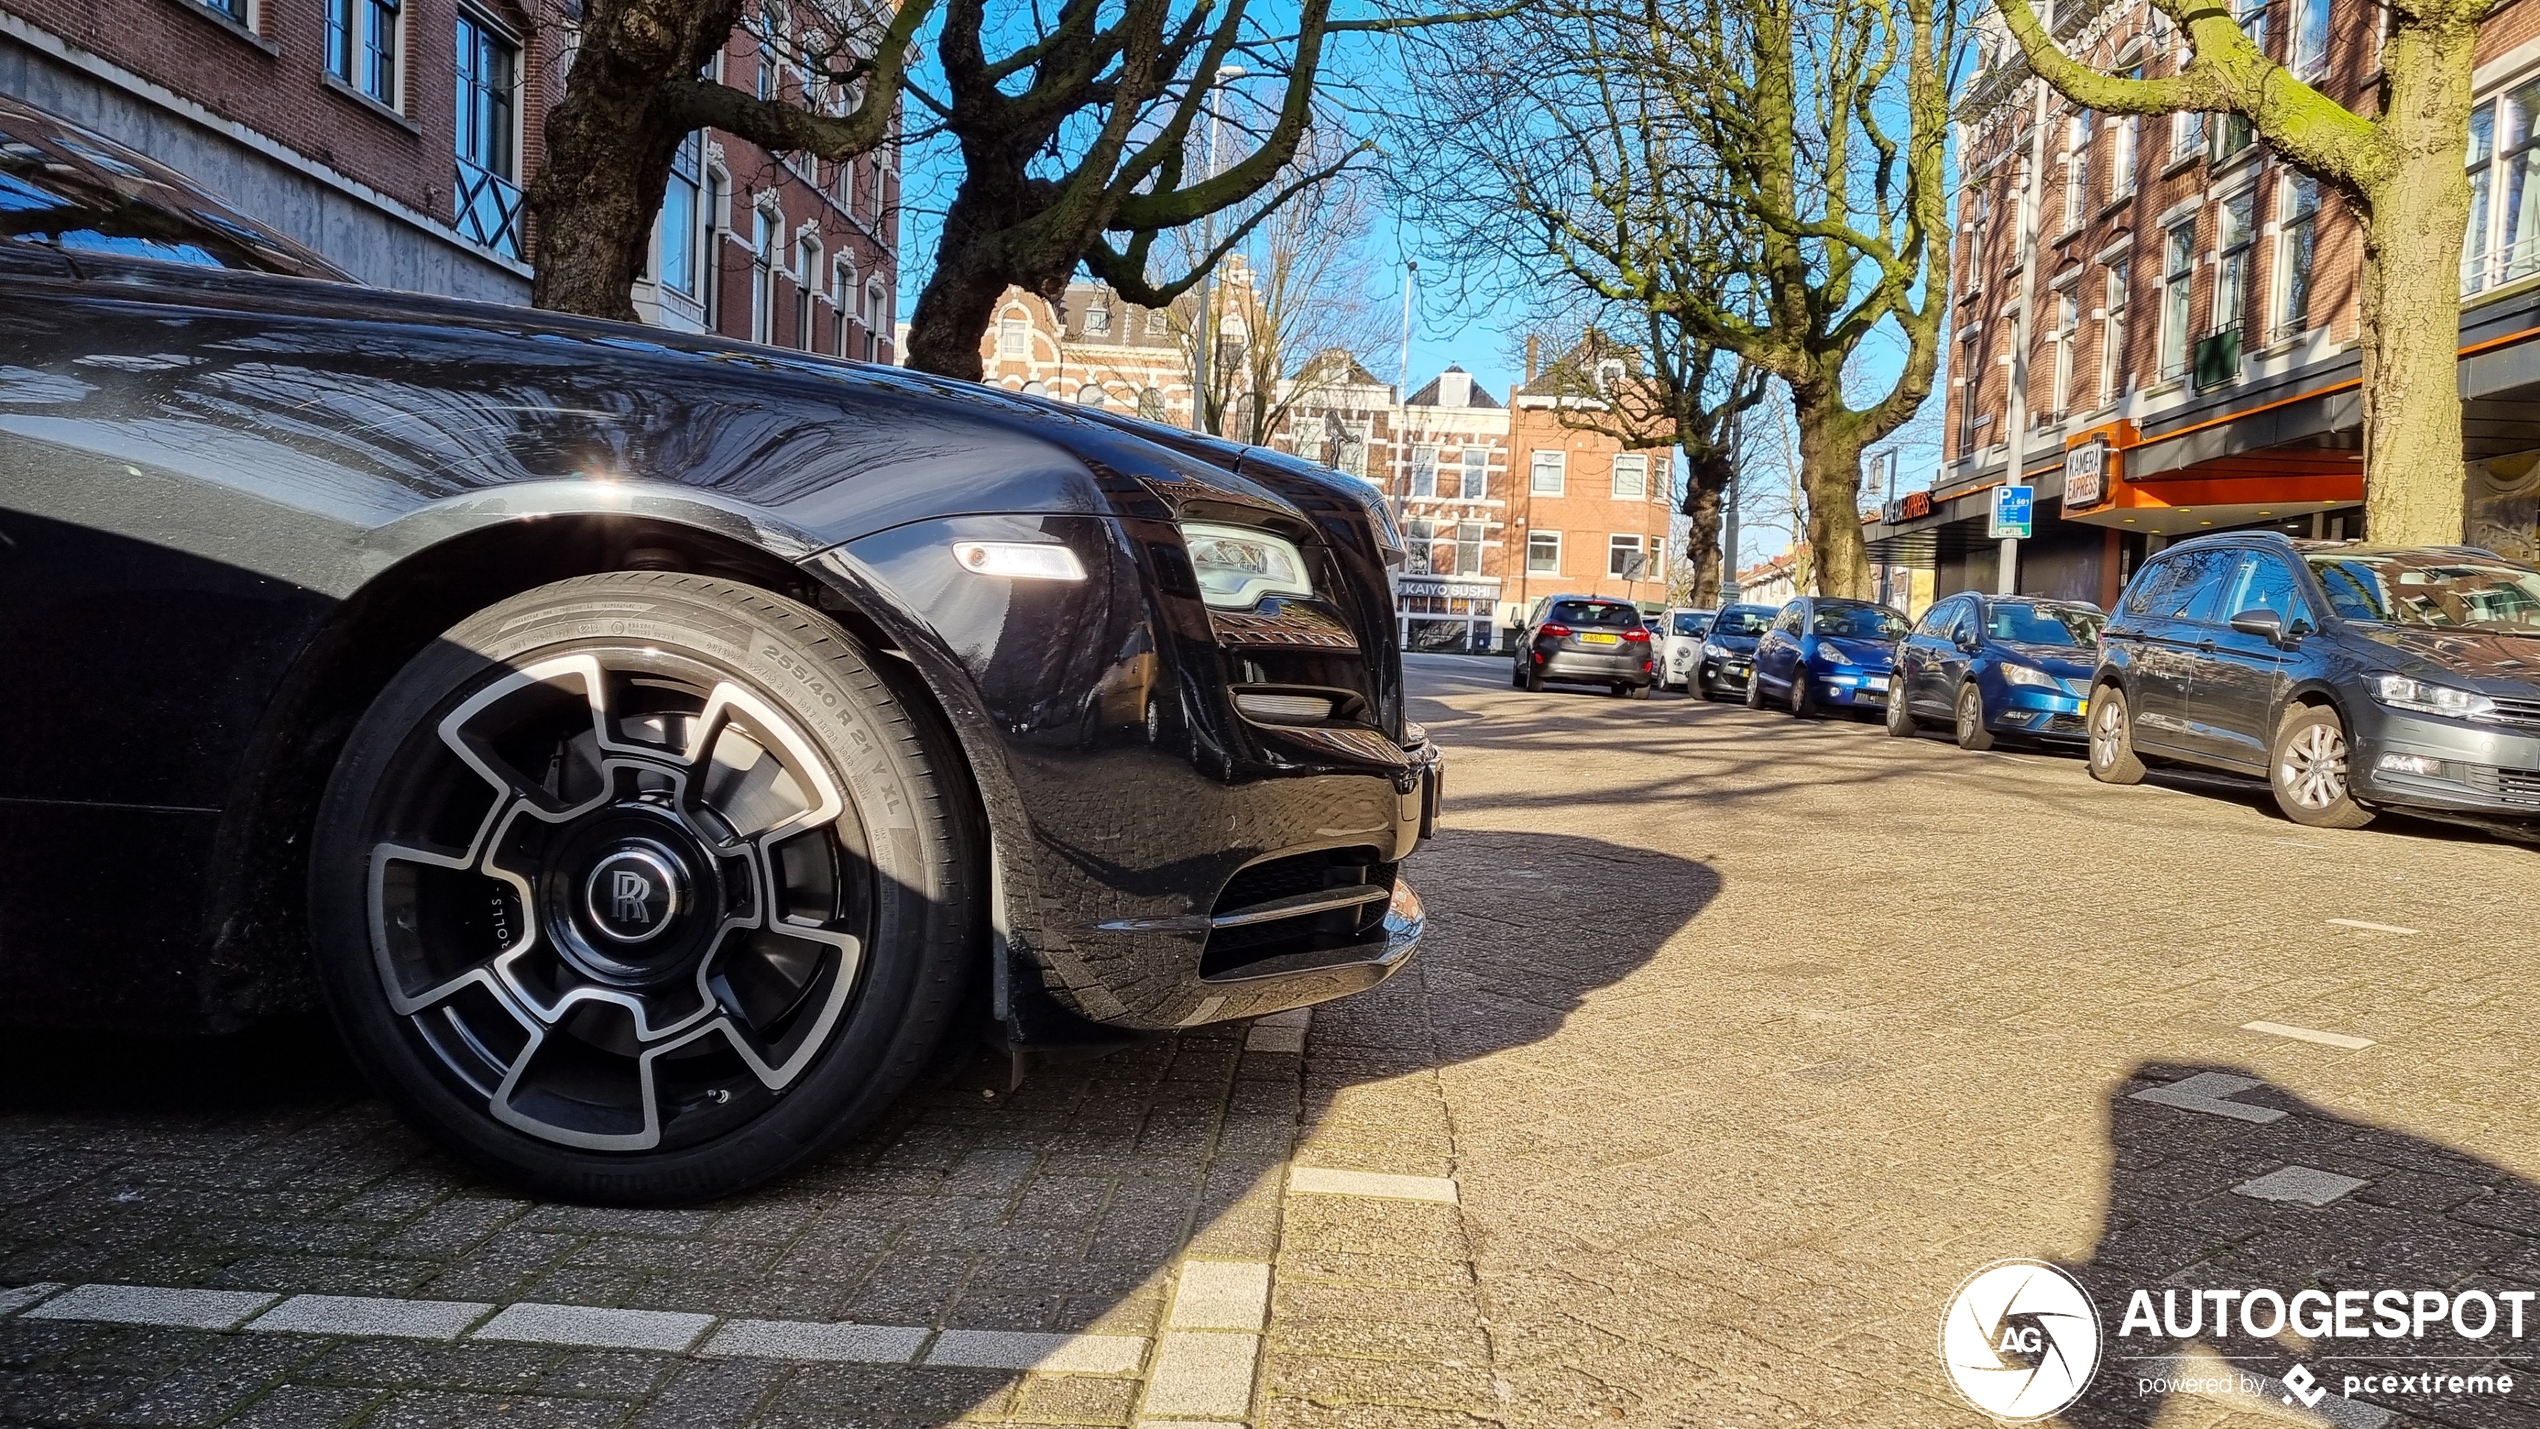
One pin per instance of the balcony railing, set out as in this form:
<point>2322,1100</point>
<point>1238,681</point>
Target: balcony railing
<point>2218,358</point>
<point>489,210</point>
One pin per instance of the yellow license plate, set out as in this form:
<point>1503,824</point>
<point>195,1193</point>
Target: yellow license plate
<point>1600,639</point>
<point>2085,708</point>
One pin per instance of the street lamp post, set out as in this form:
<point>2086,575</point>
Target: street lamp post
<point>1204,325</point>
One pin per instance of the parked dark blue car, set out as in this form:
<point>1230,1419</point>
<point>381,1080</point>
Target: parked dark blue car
<point>1728,651</point>
<point>1998,664</point>
<point>1825,652</point>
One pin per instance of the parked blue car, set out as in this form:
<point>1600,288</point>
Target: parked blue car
<point>1995,664</point>
<point>1825,652</point>
<point>1727,665</point>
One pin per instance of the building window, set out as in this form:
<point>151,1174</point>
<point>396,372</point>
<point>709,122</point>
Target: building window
<point>1609,374</point>
<point>2178,270</point>
<point>1631,476</point>
<point>846,302</point>
<point>2121,142</point>
<point>2310,38</point>
<point>2503,243</point>
<point>1150,404</point>
<point>2077,170</point>
<point>681,234</point>
<point>1468,548</point>
<point>1624,559</point>
<point>1418,534</point>
<point>1098,321</point>
<point>2297,241</point>
<point>2187,134</point>
<point>2231,275</point>
<point>1036,388</point>
<point>2112,336</point>
<point>1543,553</point>
<point>488,196</point>
<point>361,44</point>
<point>1353,452</point>
<point>1089,395</point>
<point>235,9</point>
<point>1014,337</point>
<point>1158,324</point>
<point>1476,473</point>
<point>2233,134</point>
<point>2252,16</point>
<point>806,287</point>
<point>2067,328</point>
<point>1424,471</point>
<point>764,227</point>
<point>1549,474</point>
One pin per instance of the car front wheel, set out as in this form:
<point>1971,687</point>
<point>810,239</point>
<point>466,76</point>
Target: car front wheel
<point>2112,756</point>
<point>643,888</point>
<point>1972,735</point>
<point>2309,770</point>
<point>1900,715</point>
<point>1801,702</point>
<point>1755,688</point>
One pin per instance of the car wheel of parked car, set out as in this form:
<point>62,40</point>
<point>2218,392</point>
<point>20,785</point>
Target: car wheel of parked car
<point>2308,770</point>
<point>1517,673</point>
<point>1900,718</point>
<point>1636,692</point>
<point>1755,689</point>
<point>1972,735</point>
<point>643,888</point>
<point>1801,703</point>
<point>2112,756</point>
<point>1534,677</point>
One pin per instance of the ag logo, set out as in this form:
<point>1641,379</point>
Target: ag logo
<point>2020,1340</point>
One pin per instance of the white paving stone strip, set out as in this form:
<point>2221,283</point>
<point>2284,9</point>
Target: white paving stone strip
<point>2207,1092</point>
<point>362,1315</point>
<point>1202,1373</point>
<point>1050,1354</point>
<point>2309,1034</point>
<point>1323,1181</point>
<point>1221,1295</point>
<point>2307,1184</point>
<point>19,1297</point>
<point>799,1340</point>
<point>152,1305</point>
<point>2371,927</point>
<point>589,1327</point>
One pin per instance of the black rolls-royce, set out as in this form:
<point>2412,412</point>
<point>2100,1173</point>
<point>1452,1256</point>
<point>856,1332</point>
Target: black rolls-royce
<point>645,746</point>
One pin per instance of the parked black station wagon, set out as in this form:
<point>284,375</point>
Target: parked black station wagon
<point>642,743</point>
<point>2353,677</point>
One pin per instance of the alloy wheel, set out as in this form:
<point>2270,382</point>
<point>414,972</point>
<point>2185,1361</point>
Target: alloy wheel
<point>619,898</point>
<point>2107,733</point>
<point>2312,768</point>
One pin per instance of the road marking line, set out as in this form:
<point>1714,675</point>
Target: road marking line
<point>590,1327</point>
<point>152,1305</point>
<point>2309,1034</point>
<point>25,1295</point>
<point>1221,1295</point>
<point>367,1316</point>
<point>1027,1349</point>
<point>2205,1092</point>
<point>2369,927</point>
<point>2307,1184</point>
<point>1323,1181</point>
<point>801,1340</point>
<point>1201,1373</point>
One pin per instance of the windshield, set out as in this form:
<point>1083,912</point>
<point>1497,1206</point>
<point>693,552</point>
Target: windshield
<point>2430,589</point>
<point>1597,613</point>
<point>2042,624</point>
<point>1858,622</point>
<point>1743,620</point>
<point>1688,623</point>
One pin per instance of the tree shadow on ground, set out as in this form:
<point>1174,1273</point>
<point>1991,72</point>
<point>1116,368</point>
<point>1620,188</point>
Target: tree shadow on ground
<point>1057,1207</point>
<point>2202,1200</point>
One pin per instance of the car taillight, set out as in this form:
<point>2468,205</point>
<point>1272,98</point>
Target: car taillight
<point>1637,635</point>
<point>1557,632</point>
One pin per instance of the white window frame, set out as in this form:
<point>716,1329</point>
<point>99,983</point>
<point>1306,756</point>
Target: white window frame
<point>2309,50</point>
<point>1554,538</point>
<point>2178,281</point>
<point>2114,296</point>
<point>1474,475</point>
<point>2124,138</point>
<point>1014,339</point>
<point>767,230</point>
<point>1622,543</point>
<point>359,16</point>
<point>1548,473</point>
<point>1424,464</point>
<point>2067,331</point>
<point>2294,226</point>
<point>1638,464</point>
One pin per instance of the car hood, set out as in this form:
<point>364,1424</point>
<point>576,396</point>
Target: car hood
<point>2064,660</point>
<point>1868,654</point>
<point>1732,642</point>
<point>2491,661</point>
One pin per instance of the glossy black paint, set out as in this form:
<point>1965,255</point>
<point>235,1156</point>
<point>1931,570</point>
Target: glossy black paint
<point>232,503</point>
<point>2202,693</point>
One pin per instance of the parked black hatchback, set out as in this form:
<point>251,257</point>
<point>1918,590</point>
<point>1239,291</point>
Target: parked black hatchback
<point>2354,677</point>
<point>1581,639</point>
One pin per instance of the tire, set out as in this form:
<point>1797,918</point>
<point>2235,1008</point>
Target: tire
<point>1901,723</point>
<point>1755,689</point>
<point>1971,733</point>
<point>1636,692</point>
<point>679,1045</point>
<point>2112,756</point>
<point>1517,673</point>
<point>1802,702</point>
<point>2307,769</point>
<point>1534,677</point>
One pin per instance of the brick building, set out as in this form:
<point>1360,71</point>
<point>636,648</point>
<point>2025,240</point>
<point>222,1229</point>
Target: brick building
<point>397,136</point>
<point>2183,309</point>
<point>1590,516</point>
<point>1095,348</point>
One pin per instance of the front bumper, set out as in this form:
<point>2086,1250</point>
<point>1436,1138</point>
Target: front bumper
<point>2485,771</point>
<point>1866,690</point>
<point>2044,714</point>
<point>1731,673</point>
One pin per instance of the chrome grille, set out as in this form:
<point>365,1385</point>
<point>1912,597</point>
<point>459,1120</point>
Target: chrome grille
<point>2525,713</point>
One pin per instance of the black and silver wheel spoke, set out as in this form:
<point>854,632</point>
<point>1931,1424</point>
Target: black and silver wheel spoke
<point>621,898</point>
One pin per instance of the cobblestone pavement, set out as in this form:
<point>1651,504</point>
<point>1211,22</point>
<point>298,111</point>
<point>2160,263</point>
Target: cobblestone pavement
<point>1738,1043</point>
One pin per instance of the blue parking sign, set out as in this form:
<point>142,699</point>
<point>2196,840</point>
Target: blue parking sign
<point>2013,508</point>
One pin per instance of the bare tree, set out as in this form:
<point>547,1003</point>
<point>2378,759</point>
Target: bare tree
<point>2404,166</point>
<point>638,86</point>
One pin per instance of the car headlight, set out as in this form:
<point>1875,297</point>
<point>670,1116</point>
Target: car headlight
<point>1834,659</point>
<point>1714,652</point>
<point>2400,692</point>
<point>1237,565</point>
<point>2029,675</point>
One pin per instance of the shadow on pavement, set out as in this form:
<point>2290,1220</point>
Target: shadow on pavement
<point>2207,1200</point>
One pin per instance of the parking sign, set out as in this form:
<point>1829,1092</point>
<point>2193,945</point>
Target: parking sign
<point>2012,508</point>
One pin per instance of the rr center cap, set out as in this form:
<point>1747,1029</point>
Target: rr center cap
<point>635,892</point>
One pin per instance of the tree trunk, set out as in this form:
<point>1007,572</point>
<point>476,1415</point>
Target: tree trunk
<point>2413,222</point>
<point>1830,475</point>
<point>1707,475</point>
